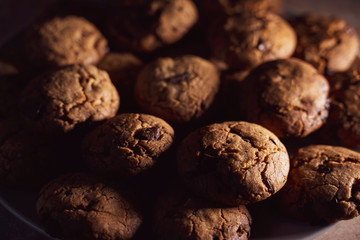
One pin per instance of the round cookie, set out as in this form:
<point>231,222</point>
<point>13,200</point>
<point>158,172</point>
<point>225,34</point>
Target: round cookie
<point>145,26</point>
<point>179,89</point>
<point>233,162</point>
<point>122,69</point>
<point>65,40</point>
<point>180,216</point>
<point>289,97</point>
<point>57,101</point>
<point>80,206</point>
<point>246,40</point>
<point>323,184</point>
<point>27,159</point>
<point>343,123</point>
<point>330,44</point>
<point>127,145</point>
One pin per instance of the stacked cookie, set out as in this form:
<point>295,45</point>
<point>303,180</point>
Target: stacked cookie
<point>148,125</point>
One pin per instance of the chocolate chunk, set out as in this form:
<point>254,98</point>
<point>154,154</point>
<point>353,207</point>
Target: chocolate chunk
<point>186,76</point>
<point>150,134</point>
<point>324,169</point>
<point>269,185</point>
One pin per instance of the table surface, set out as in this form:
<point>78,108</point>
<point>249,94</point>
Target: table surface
<point>15,16</point>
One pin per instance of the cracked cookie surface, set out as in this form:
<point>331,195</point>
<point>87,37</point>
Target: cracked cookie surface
<point>178,215</point>
<point>145,26</point>
<point>289,97</point>
<point>233,162</point>
<point>59,100</point>
<point>127,144</point>
<point>80,206</point>
<point>246,40</point>
<point>179,89</point>
<point>330,44</point>
<point>323,184</point>
<point>65,40</point>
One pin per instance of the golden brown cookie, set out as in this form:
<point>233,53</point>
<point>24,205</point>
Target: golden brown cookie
<point>323,184</point>
<point>178,90</point>
<point>145,26</point>
<point>289,97</point>
<point>330,44</point>
<point>246,40</point>
<point>80,206</point>
<point>233,162</point>
<point>63,41</point>
<point>178,216</point>
<point>127,145</point>
<point>59,100</point>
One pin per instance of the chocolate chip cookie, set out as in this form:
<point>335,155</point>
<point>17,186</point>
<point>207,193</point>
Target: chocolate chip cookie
<point>324,184</point>
<point>80,206</point>
<point>63,41</point>
<point>246,40</point>
<point>122,69</point>
<point>343,124</point>
<point>289,97</point>
<point>145,26</point>
<point>330,44</point>
<point>233,162</point>
<point>127,144</point>
<point>179,215</point>
<point>59,100</point>
<point>177,89</point>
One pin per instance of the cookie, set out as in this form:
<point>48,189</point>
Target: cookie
<point>145,26</point>
<point>127,145</point>
<point>122,69</point>
<point>246,40</point>
<point>323,184</point>
<point>178,90</point>
<point>179,215</point>
<point>59,100</point>
<point>80,206</point>
<point>233,162</point>
<point>343,124</point>
<point>330,44</point>
<point>27,159</point>
<point>229,7</point>
<point>63,41</point>
<point>289,97</point>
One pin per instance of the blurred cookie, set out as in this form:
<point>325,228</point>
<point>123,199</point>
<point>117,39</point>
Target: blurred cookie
<point>330,44</point>
<point>343,124</point>
<point>178,90</point>
<point>122,69</point>
<point>80,206</point>
<point>63,41</point>
<point>230,7</point>
<point>57,101</point>
<point>179,216</point>
<point>233,162</point>
<point>289,97</point>
<point>323,184</point>
<point>127,145</point>
<point>246,40</point>
<point>145,26</point>
<point>27,158</point>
